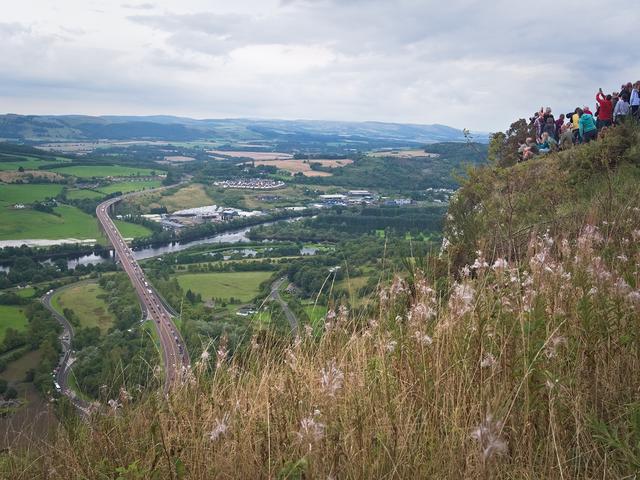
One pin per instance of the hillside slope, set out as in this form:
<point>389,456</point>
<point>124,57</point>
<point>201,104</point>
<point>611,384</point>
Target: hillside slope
<point>514,354</point>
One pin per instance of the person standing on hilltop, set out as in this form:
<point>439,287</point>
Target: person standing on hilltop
<point>605,113</point>
<point>575,125</point>
<point>622,108</point>
<point>559,125</point>
<point>587,125</point>
<point>635,99</point>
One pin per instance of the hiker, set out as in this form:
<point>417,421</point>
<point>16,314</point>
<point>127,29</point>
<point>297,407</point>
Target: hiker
<point>634,101</point>
<point>528,149</point>
<point>566,137</point>
<point>538,124</point>
<point>587,125</point>
<point>605,110</point>
<point>550,127</point>
<point>575,125</point>
<point>622,108</point>
<point>559,125</point>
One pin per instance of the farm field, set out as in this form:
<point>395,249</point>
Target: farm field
<point>8,176</point>
<point>28,163</point>
<point>193,195</point>
<point>83,194</point>
<point>240,285</point>
<point>12,194</point>
<point>252,155</point>
<point>403,154</point>
<point>84,300</point>
<point>304,166</point>
<point>126,187</point>
<point>69,222</point>
<point>12,316</point>
<point>90,171</point>
<point>131,230</point>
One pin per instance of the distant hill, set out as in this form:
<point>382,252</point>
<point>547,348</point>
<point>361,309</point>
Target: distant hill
<point>36,128</point>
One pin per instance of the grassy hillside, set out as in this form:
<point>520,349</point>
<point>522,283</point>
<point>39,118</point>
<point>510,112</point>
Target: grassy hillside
<point>512,355</point>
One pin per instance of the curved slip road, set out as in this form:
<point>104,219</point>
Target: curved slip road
<point>66,361</point>
<point>275,295</point>
<point>174,353</point>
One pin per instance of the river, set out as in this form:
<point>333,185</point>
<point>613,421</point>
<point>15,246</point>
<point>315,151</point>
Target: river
<point>233,236</point>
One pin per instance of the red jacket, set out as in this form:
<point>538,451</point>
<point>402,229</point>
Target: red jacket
<point>606,107</point>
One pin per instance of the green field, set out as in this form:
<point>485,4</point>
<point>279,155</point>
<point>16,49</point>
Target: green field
<point>84,300</point>
<point>12,194</point>
<point>69,222</point>
<point>126,187</point>
<point>12,317</point>
<point>87,171</point>
<point>83,194</point>
<point>131,230</point>
<point>240,285</point>
<point>26,162</point>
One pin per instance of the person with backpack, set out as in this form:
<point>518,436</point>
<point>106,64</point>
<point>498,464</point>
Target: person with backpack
<point>605,110</point>
<point>587,126</point>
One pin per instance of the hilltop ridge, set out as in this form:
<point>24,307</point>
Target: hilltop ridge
<point>170,128</point>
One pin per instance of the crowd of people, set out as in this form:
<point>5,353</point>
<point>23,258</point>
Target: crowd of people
<point>581,125</point>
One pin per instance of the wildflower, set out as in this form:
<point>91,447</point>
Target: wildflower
<point>204,356</point>
<point>311,431</point>
<point>621,286</point>
<point>222,352</point>
<point>623,258</point>
<point>390,346</point>
<point>488,361</point>
<point>500,265</point>
<point>551,350</point>
<point>480,263</point>
<point>398,287</point>
<point>634,297</point>
<point>220,427</point>
<point>124,396</point>
<point>636,234</point>
<point>308,330</point>
<point>423,338</point>
<point>331,378</point>
<point>466,271</point>
<point>461,300</point>
<point>114,404</point>
<point>489,436</point>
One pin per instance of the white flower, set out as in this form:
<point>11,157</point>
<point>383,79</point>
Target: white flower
<point>220,427</point>
<point>488,361</point>
<point>204,356</point>
<point>489,436</point>
<point>311,431</point>
<point>423,338</point>
<point>500,264</point>
<point>331,378</point>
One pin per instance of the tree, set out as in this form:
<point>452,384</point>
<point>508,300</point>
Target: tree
<point>503,147</point>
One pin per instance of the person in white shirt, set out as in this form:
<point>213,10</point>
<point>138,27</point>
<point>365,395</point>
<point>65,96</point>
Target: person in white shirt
<point>635,99</point>
<point>622,108</point>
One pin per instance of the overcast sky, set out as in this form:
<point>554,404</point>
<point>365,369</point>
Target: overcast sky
<point>464,63</point>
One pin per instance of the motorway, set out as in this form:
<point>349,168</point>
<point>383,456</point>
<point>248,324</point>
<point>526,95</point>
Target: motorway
<point>174,353</point>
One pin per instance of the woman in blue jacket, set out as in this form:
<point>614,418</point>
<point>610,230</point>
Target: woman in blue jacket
<point>587,126</point>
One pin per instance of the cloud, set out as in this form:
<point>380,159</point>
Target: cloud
<point>464,62</point>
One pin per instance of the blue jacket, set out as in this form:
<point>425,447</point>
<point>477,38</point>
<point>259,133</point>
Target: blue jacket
<point>586,124</point>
